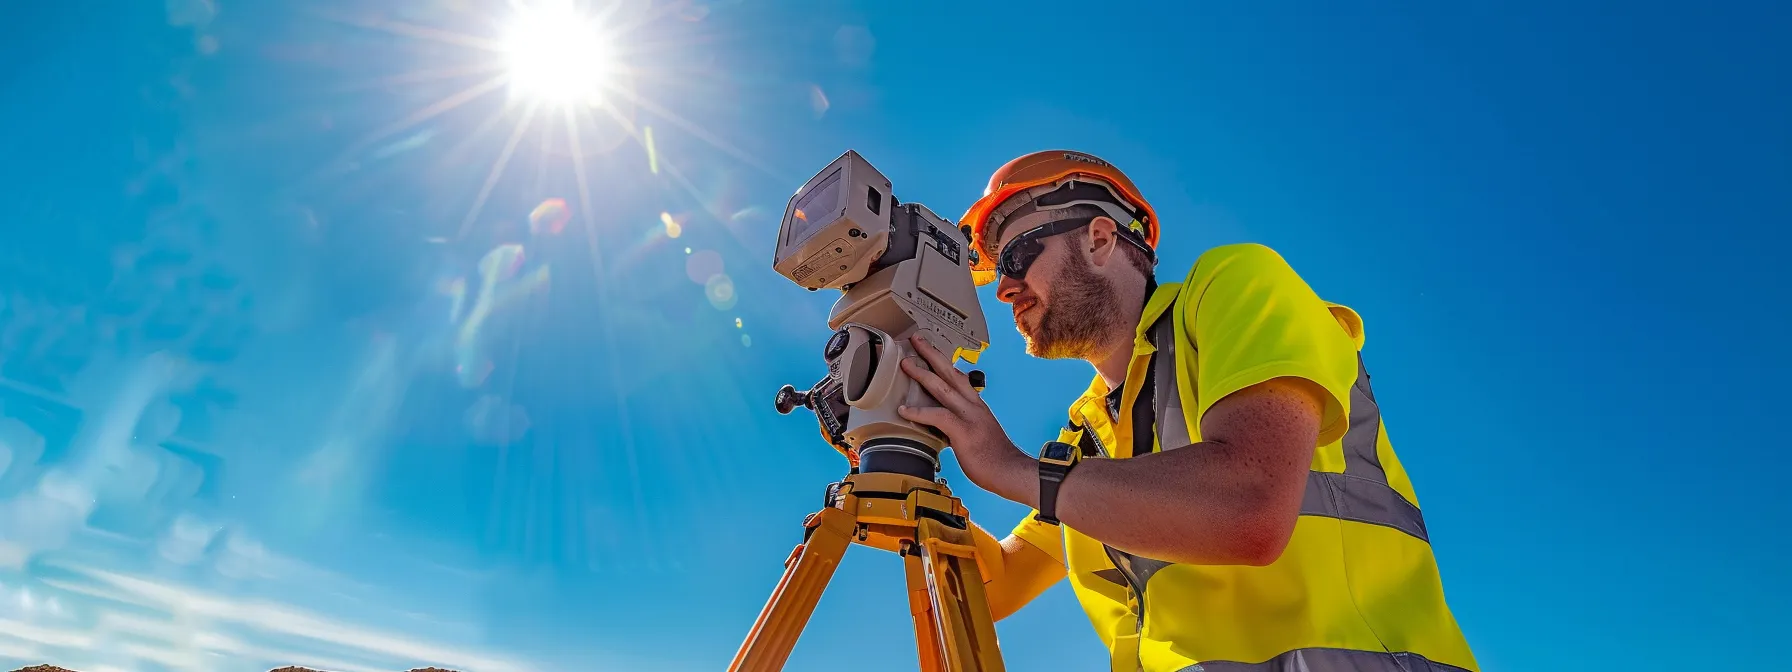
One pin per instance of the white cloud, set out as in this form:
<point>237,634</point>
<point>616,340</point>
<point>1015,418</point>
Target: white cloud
<point>142,620</point>
<point>20,652</point>
<point>44,635</point>
<point>206,611</point>
<point>20,446</point>
<point>13,555</point>
<point>42,518</point>
<point>186,540</point>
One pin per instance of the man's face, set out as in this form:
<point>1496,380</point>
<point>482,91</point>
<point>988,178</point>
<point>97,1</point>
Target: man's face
<point>1064,306</point>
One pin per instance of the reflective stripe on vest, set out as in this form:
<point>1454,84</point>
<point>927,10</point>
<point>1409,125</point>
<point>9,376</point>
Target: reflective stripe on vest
<point>1361,493</point>
<point>1309,660</point>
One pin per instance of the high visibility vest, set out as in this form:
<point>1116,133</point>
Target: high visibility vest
<point>1357,587</point>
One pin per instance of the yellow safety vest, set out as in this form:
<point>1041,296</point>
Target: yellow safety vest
<point>1357,587</point>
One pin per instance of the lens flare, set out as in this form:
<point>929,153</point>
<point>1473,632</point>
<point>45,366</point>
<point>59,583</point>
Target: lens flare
<point>499,286</point>
<point>502,262</point>
<point>551,216</point>
<point>818,101</point>
<point>673,229</point>
<point>737,323</point>
<point>702,266</point>
<point>720,290</point>
<point>746,340</point>
<point>456,291</point>
<point>653,155</point>
<point>747,213</point>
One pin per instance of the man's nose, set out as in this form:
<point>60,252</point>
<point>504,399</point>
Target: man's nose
<point>1007,288</point>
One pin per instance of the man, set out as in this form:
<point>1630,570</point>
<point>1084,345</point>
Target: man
<point>1223,496</point>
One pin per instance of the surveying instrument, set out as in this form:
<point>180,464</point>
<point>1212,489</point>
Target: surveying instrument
<point>902,270</point>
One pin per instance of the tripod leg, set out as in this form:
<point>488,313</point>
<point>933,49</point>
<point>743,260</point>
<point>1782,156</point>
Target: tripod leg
<point>965,630</point>
<point>920,607</point>
<point>806,575</point>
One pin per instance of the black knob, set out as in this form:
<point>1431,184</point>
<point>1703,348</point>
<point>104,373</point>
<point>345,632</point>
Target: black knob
<point>788,399</point>
<point>977,379</point>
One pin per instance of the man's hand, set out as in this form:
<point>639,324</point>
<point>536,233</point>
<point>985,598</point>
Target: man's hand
<point>986,454</point>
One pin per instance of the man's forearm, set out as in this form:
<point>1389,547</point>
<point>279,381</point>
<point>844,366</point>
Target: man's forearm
<point>1207,503</point>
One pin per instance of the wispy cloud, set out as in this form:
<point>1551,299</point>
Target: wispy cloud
<point>187,624</point>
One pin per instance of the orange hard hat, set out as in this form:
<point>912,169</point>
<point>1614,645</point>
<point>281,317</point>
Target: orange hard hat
<point>1032,175</point>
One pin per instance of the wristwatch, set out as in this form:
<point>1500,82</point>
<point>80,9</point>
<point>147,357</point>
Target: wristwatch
<point>1056,459</point>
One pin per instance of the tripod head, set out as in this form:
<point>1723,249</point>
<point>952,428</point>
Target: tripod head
<point>901,270</point>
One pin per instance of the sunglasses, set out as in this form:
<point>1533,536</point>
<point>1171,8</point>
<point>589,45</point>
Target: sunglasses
<point>1019,254</point>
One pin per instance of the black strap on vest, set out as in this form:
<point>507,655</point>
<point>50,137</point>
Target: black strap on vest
<point>1144,407</point>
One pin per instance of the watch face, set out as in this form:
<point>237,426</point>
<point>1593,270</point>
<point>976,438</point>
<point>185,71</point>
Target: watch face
<point>1056,450</point>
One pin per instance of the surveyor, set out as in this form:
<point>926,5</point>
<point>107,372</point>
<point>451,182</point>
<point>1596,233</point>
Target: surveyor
<point>1224,495</point>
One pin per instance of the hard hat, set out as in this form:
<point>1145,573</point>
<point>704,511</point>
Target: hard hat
<point>1038,173</point>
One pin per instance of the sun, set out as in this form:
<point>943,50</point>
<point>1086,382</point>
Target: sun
<point>556,55</point>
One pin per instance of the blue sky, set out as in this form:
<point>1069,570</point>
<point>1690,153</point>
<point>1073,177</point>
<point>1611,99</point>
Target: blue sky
<point>235,435</point>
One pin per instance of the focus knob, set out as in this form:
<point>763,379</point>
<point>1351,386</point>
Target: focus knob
<point>788,399</point>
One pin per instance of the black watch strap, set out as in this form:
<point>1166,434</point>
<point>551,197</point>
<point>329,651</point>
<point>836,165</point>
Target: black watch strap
<point>1050,476</point>
<point>1055,461</point>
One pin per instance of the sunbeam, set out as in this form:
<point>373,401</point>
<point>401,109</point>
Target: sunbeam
<point>696,131</point>
<point>597,265</point>
<point>458,150</point>
<point>421,77</point>
<point>497,171</point>
<point>347,156</point>
<point>404,29</point>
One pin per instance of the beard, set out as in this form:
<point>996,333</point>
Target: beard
<point>1078,314</point>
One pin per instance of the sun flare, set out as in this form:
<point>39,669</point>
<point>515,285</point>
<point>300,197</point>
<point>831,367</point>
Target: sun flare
<point>557,56</point>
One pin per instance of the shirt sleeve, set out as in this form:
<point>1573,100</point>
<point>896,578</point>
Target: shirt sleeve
<point>1044,536</point>
<point>1255,320</point>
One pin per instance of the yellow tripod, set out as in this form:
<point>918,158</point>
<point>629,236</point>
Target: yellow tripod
<point>945,560</point>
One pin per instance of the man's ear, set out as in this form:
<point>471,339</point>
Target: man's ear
<point>1103,239</point>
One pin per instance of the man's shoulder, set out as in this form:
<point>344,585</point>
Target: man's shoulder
<point>1235,257</point>
<point>1256,269</point>
<point>1227,265</point>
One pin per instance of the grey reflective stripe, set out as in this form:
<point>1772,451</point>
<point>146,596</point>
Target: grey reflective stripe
<point>1331,660</point>
<point>1172,427</point>
<point>1362,500</point>
<point>1362,493</point>
<point>1360,458</point>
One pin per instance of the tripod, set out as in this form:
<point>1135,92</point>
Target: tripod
<point>915,518</point>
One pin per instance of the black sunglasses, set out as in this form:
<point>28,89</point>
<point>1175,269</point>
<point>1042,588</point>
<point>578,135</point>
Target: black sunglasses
<point>1020,253</point>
